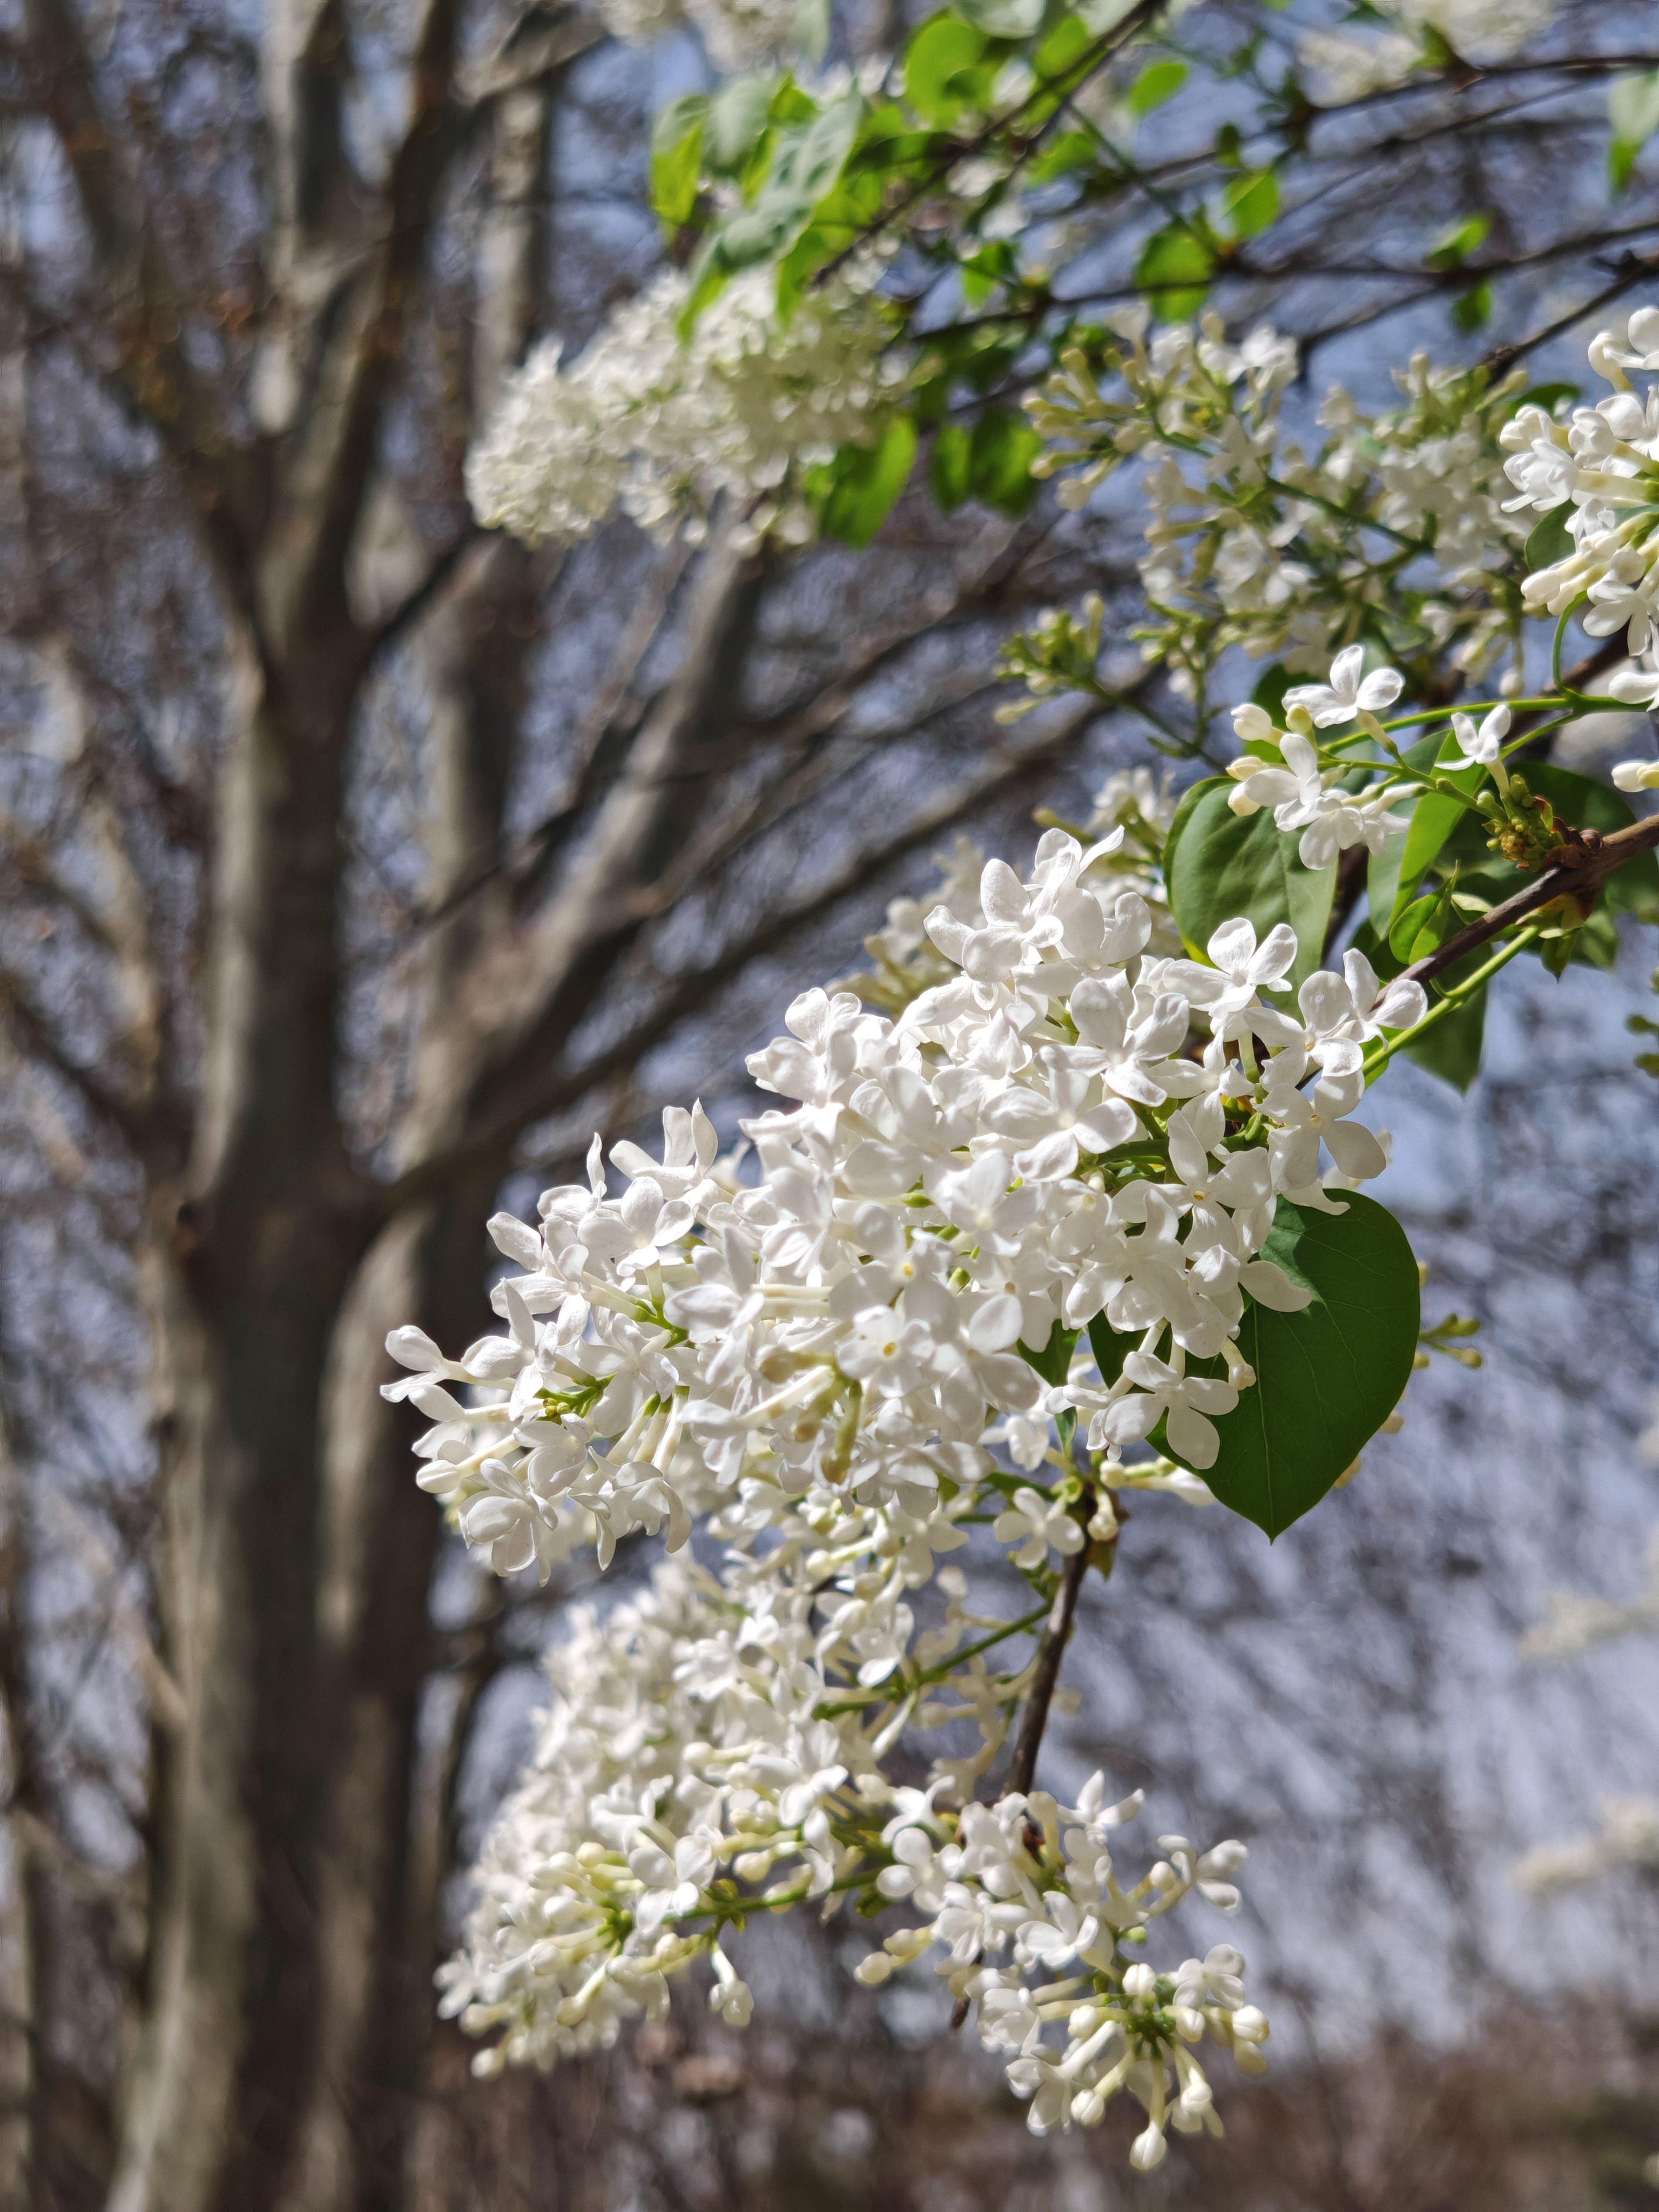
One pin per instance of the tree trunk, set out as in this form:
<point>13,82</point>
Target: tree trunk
<point>249,1255</point>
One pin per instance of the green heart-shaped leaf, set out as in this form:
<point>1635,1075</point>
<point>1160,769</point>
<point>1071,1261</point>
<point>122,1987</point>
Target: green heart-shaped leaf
<point>1326,1378</point>
<point>1218,863</point>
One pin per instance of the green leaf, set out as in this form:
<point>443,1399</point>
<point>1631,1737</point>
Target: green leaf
<point>1053,1362</point>
<point>1327,1378</point>
<point>1270,689</point>
<point>1547,395</point>
<point>855,493</point>
<point>1073,150</point>
<point>1587,804</point>
<point>1433,819</point>
<point>1228,145</point>
<point>1004,19</point>
<point>1223,866</point>
<point>1409,924</point>
<point>1451,1050</point>
<point>1185,809</point>
<point>1251,202</point>
<point>948,466</point>
<point>677,159</point>
<point>1175,266</point>
<point>1003,448</point>
<point>1551,540</point>
<point>1110,1349</point>
<point>1633,111</point>
<point>736,116</point>
<point>1158,81</point>
<point>941,76</point>
<point>1454,246</point>
<point>1069,38</point>
<point>1472,310</point>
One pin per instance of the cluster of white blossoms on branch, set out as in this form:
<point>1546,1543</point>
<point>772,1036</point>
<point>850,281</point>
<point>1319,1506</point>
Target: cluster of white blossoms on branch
<point>1379,46</point>
<point>1396,523</point>
<point>845,1363</point>
<point>1597,469</point>
<point>661,423</point>
<point>738,35</point>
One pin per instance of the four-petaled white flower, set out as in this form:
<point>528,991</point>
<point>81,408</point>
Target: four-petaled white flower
<point>1350,691</point>
<point>1037,1524</point>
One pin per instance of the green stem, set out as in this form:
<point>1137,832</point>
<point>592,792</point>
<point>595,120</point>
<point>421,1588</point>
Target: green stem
<point>1377,1060</point>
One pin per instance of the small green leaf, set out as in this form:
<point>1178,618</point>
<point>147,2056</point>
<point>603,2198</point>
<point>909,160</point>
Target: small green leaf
<point>1547,395</point>
<point>1434,819</point>
<point>1224,865</point>
<point>1551,540</point>
<point>1228,146</point>
<point>677,160</point>
<point>1175,266</point>
<point>941,74</point>
<point>1452,1049</point>
<point>1472,310</point>
<point>736,116</point>
<point>1328,1377</point>
<point>1053,1362</point>
<point>1004,447</point>
<point>856,492</point>
<point>1413,921</point>
<point>1073,150</point>
<point>1633,111</point>
<point>948,466</point>
<point>1454,246</point>
<point>1251,202</point>
<point>1110,1349</point>
<point>1158,81</point>
<point>1069,38</point>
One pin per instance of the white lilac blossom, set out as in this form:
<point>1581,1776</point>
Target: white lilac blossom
<point>705,1760</point>
<point>1040,1137</point>
<point>1375,52</point>
<point>1628,1837</point>
<point>738,35</point>
<point>1042,1123</point>
<point>1316,799</point>
<point>1597,468</point>
<point>1254,541</point>
<point>661,425</point>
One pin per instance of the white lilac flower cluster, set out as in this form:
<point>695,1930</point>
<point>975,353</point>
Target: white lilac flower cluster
<point>1598,470</point>
<point>738,35</point>
<point>1398,518</point>
<point>1628,1837</point>
<point>1068,1126</point>
<point>714,1752</point>
<point>1379,46</point>
<point>1053,1122</point>
<point>662,425</point>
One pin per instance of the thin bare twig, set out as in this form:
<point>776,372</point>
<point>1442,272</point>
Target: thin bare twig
<point>1046,1679</point>
<point>1579,883</point>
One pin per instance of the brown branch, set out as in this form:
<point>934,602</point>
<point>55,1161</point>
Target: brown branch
<point>1581,885</point>
<point>143,306</point>
<point>1046,1678</point>
<point>36,1036</point>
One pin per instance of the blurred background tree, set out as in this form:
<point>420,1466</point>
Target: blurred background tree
<point>359,864</point>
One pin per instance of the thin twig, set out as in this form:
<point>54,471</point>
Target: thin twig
<point>1044,1681</point>
<point>1579,883</point>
